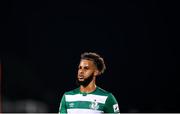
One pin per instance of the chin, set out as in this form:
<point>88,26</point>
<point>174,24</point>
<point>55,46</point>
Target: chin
<point>81,80</point>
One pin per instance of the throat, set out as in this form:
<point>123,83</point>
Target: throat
<point>88,89</point>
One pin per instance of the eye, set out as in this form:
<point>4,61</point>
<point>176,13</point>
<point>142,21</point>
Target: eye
<point>79,67</point>
<point>86,68</point>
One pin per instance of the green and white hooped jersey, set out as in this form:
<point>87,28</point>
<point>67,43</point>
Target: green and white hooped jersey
<point>96,102</point>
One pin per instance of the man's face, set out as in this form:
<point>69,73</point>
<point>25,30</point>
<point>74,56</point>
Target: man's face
<point>86,72</point>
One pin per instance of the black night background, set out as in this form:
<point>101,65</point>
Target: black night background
<point>41,43</point>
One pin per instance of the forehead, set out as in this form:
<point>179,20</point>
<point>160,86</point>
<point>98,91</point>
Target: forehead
<point>85,62</point>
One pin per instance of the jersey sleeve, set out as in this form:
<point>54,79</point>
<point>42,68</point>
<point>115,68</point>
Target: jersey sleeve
<point>111,105</point>
<point>62,107</point>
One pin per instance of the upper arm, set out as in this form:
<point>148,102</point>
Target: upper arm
<point>111,105</point>
<point>62,107</point>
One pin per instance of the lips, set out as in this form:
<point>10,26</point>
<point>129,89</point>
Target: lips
<point>80,77</point>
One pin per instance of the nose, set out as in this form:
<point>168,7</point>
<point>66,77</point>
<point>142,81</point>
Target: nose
<point>80,71</point>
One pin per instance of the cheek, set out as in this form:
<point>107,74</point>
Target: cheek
<point>78,71</point>
<point>88,73</point>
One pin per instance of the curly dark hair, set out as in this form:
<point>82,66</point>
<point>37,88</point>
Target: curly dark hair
<point>96,58</point>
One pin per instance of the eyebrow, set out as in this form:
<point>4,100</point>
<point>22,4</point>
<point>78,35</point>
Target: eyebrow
<point>83,66</point>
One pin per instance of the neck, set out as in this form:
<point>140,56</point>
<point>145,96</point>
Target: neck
<point>89,88</point>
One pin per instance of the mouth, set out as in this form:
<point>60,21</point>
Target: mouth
<point>81,77</point>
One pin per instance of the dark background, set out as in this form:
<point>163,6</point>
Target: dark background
<point>42,41</point>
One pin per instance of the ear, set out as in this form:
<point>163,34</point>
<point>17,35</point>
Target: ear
<point>96,73</point>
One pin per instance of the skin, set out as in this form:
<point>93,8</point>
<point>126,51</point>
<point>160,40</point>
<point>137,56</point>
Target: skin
<point>87,68</point>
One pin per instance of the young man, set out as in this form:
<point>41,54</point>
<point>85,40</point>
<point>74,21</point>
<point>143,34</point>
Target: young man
<point>89,98</point>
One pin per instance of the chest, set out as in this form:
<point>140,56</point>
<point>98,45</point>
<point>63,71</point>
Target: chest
<point>88,102</point>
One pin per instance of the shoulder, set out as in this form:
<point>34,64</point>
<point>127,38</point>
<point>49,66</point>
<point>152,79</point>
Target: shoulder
<point>72,92</point>
<point>103,92</point>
